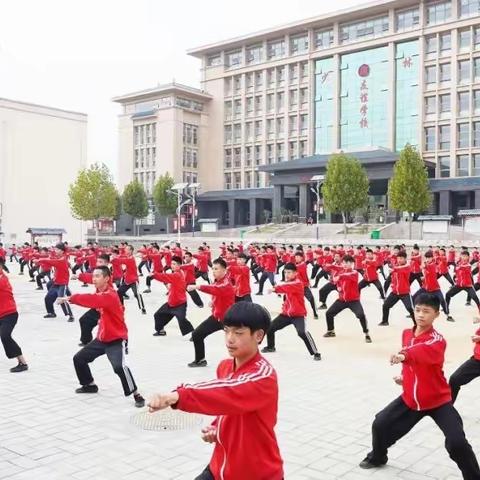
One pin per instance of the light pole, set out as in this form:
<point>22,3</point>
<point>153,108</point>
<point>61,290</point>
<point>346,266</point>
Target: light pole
<point>319,180</point>
<point>193,187</point>
<point>178,188</point>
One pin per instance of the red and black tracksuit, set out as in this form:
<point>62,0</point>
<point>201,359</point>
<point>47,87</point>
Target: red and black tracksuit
<point>223,297</point>
<point>430,285</point>
<point>333,269</point>
<point>130,280</point>
<point>302,275</point>
<point>400,292</point>
<point>202,265</point>
<point>293,313</point>
<point>426,393</point>
<point>463,282</point>
<point>59,286</point>
<point>269,270</point>
<point>370,276</point>
<point>189,270</point>
<point>241,282</point>
<point>8,318</point>
<point>442,269</point>
<point>416,269</point>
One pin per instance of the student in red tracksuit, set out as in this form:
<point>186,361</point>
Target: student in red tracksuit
<point>348,297</point>
<point>8,320</point>
<point>333,269</point>
<point>188,268</point>
<point>451,256</point>
<point>302,275</point>
<point>111,338</point>
<point>426,393</point>
<point>269,268</point>
<point>400,277</point>
<point>370,274</point>
<point>155,257</point>
<point>416,266</point>
<point>442,266</point>
<point>244,399</point>
<point>176,305</point>
<point>3,258</point>
<point>323,261</point>
<point>293,312</point>
<point>143,251</point>
<point>130,279</point>
<point>359,257</point>
<point>318,260</point>
<point>391,259</point>
<point>223,297</point>
<point>430,282</point>
<point>241,279</point>
<point>463,281</point>
<point>203,259</point>
<point>117,268</point>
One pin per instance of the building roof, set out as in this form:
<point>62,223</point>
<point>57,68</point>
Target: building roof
<point>442,218</point>
<point>469,213</point>
<point>238,194</point>
<point>46,231</point>
<point>366,157</point>
<point>458,184</point>
<point>162,90</point>
<point>36,108</point>
<point>359,11</point>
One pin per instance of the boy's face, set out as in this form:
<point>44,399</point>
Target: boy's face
<point>175,266</point>
<point>425,315</point>
<point>241,342</point>
<point>187,258</point>
<point>218,271</point>
<point>348,265</point>
<point>401,260</point>
<point>241,261</point>
<point>290,275</point>
<point>99,280</point>
<point>369,255</point>
<point>464,258</point>
<point>298,259</point>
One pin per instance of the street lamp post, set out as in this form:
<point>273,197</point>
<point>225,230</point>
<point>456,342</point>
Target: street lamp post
<point>178,188</point>
<point>319,180</point>
<point>193,187</point>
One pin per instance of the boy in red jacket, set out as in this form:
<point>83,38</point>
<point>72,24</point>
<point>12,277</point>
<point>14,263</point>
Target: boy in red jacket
<point>269,268</point>
<point>176,305</point>
<point>8,320</point>
<point>240,273</point>
<point>293,312</point>
<point>244,397</point>
<point>111,338</point>
<point>348,297</point>
<point>223,297</point>
<point>426,393</point>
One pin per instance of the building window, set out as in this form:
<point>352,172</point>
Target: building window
<point>258,105</point>
<point>237,157</point>
<point>445,43</point>
<point>258,154</point>
<point>363,30</point>
<point>293,73</point>
<point>292,150</point>
<point>214,60</point>
<point>249,81</point>
<point>303,124</point>
<point>292,125</point>
<point>430,74</point>
<point>439,12</point>
<point>476,69</point>
<point>476,102</point>
<point>280,127</point>
<point>464,71</point>
<point>228,133</point>
<point>444,137</point>
<point>254,54</point>
<point>228,109</point>
<point>258,79</point>
<point>304,97</point>
<point>430,138</point>
<point>248,179</point>
<point>270,128</point>
<point>430,105</point>
<point>431,46</point>
<point>407,19</point>
<point>249,106</point>
<point>303,71</point>
<point>302,147</point>
<point>445,103</point>
<point>323,39</point>
<point>227,86</point>
<point>227,179</point>
<point>190,134</point>
<point>444,166</point>
<point>469,8</point>
<point>270,153</point>
<point>445,72</point>
<point>462,165</point>
<point>248,156</point>
<point>257,179</point>
<point>293,99</point>
<point>464,40</point>
<point>280,152</point>
<point>463,103</point>
<point>237,84</point>
<point>476,38</point>
<point>280,102</point>
<point>258,128</point>
<point>270,78</point>
<point>476,134</point>
<point>476,165</point>
<point>248,131</point>
<point>276,49</point>
<point>299,44</point>
<point>280,76</point>
<point>237,104</point>
<point>228,158</point>
<point>233,59</point>
<point>237,132</point>
<point>462,135</point>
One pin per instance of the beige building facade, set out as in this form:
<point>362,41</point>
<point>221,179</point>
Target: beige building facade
<point>41,150</point>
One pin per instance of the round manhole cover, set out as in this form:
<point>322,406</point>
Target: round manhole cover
<point>168,420</point>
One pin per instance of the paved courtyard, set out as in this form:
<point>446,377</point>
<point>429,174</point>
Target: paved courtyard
<point>325,412</point>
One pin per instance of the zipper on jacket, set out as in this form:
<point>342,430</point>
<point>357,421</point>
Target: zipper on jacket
<point>224,464</point>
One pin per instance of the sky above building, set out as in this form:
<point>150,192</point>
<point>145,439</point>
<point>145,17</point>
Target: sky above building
<point>77,55</point>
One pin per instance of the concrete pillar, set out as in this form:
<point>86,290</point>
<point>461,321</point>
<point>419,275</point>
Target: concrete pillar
<point>231,213</point>
<point>277,201</point>
<point>253,211</point>
<point>477,199</point>
<point>444,203</point>
<point>302,200</point>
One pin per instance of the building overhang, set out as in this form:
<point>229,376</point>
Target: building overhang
<point>455,184</point>
<point>239,194</point>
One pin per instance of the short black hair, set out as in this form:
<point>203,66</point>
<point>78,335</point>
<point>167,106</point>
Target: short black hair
<point>249,315</point>
<point>221,262</point>
<point>186,252</point>
<point>290,266</point>
<point>428,300</point>
<point>299,253</point>
<point>242,255</point>
<point>105,271</point>
<point>348,258</point>
<point>60,246</point>
<point>428,254</point>
<point>177,259</point>
<point>105,256</point>
<point>402,254</point>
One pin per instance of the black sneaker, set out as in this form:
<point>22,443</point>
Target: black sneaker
<point>368,338</point>
<point>39,288</point>
<point>200,363</point>
<point>322,307</point>
<point>32,280</point>
<point>82,344</point>
<point>87,389</point>
<point>384,324</point>
<point>330,334</point>
<point>144,312</point>
<point>317,356</point>
<point>147,290</point>
<point>85,285</point>
<point>161,333</point>
<point>50,315</point>
<point>71,318</point>
<point>467,304</point>
<point>21,367</point>
<point>259,293</point>
<point>126,297</point>
<point>139,400</point>
<point>268,349</point>
<point>315,316</point>
<point>191,338</point>
<point>450,319</point>
<point>367,464</point>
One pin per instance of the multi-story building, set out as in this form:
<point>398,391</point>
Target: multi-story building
<point>41,151</point>
<point>365,81</point>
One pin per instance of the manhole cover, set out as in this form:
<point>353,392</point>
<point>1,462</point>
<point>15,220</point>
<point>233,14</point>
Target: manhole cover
<point>167,420</point>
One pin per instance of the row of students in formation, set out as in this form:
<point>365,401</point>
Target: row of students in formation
<point>246,389</point>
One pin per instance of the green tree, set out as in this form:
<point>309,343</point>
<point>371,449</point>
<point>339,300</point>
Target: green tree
<point>93,195</point>
<point>165,201</point>
<point>134,201</point>
<point>408,189</point>
<point>345,188</point>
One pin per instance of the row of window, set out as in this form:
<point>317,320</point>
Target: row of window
<point>275,77</point>
<point>465,165</point>
<point>466,104</point>
<point>443,72</point>
<point>270,103</point>
<point>190,134</point>
<point>145,134</point>
<point>145,157</point>
<point>190,157</point>
<point>190,177</point>
<point>253,154</point>
<point>234,180</point>
<point>441,44</point>
<point>147,179</point>
<point>468,135</point>
<point>275,128</point>
<point>436,12</point>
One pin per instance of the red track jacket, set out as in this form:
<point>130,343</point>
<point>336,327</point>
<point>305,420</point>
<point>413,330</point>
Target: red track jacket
<point>293,303</point>
<point>7,302</point>
<point>241,277</point>
<point>223,296</point>
<point>177,293</point>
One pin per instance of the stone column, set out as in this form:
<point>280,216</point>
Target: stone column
<point>253,211</point>
<point>277,200</point>
<point>302,200</point>
<point>444,203</point>
<point>231,213</point>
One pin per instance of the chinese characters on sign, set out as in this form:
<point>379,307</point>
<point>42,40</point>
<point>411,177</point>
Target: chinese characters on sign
<point>363,72</point>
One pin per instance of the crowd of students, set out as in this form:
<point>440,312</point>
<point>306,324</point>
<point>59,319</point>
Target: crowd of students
<point>244,397</point>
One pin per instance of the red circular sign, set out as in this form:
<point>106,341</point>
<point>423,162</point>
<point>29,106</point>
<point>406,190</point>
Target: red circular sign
<point>364,70</point>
